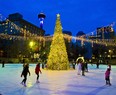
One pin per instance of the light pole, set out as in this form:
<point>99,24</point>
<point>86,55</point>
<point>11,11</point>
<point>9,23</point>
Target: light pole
<point>31,44</point>
<point>110,51</point>
<point>105,55</point>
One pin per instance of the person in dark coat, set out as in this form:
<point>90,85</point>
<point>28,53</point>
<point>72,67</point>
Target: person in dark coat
<point>3,63</point>
<point>24,73</point>
<point>97,64</point>
<point>86,66</point>
<point>83,68</point>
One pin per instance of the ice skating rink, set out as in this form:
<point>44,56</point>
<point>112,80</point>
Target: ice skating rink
<point>56,82</point>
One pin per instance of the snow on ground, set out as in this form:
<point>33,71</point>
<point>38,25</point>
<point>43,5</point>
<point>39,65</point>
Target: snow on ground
<point>56,82</point>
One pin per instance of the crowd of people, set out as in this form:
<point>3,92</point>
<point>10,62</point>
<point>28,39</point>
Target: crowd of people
<point>26,71</point>
<point>81,67</point>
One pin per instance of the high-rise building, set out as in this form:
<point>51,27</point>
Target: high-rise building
<point>16,25</point>
<point>105,32</point>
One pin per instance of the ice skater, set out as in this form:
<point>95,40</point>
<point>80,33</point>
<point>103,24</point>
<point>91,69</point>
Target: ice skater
<point>37,71</point>
<point>107,76</point>
<point>86,66</point>
<point>109,66</point>
<point>78,66</point>
<point>25,73</point>
<point>97,64</point>
<point>83,68</point>
<point>3,64</point>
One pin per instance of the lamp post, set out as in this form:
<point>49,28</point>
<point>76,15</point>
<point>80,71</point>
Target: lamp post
<point>110,51</point>
<point>105,55</point>
<point>31,44</point>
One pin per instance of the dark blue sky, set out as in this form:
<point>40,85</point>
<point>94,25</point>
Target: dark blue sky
<point>76,15</point>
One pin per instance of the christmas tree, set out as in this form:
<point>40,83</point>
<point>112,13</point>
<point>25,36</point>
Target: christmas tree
<point>58,58</point>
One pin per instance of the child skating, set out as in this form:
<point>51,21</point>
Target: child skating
<point>37,71</point>
<point>107,76</point>
<point>25,73</point>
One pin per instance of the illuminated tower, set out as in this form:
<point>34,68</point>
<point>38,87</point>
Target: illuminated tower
<point>41,17</point>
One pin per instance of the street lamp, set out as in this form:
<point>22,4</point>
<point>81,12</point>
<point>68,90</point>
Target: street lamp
<point>105,55</point>
<point>31,44</point>
<point>110,51</point>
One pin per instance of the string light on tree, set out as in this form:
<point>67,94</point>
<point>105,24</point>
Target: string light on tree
<point>58,58</point>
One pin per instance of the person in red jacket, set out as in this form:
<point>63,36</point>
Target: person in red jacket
<point>37,70</point>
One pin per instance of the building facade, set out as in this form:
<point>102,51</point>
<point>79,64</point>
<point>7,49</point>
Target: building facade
<point>16,25</point>
<point>105,32</point>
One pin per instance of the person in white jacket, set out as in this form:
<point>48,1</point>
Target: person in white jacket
<point>78,66</point>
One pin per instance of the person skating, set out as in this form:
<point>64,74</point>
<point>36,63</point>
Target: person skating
<point>107,76</point>
<point>78,67</point>
<point>109,66</point>
<point>83,68</point>
<point>97,64</point>
<point>86,66</point>
<point>37,71</point>
<point>25,73</point>
<point>3,64</point>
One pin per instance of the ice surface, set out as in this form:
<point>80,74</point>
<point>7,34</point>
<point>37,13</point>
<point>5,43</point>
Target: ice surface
<point>56,82</point>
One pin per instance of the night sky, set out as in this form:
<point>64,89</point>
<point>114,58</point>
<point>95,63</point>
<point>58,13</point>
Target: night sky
<point>76,15</point>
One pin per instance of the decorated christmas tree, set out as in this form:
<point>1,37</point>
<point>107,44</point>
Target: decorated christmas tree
<point>58,58</point>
